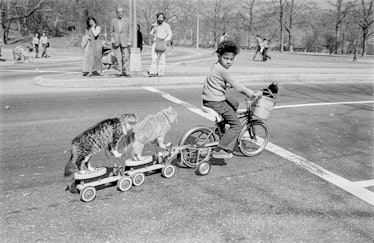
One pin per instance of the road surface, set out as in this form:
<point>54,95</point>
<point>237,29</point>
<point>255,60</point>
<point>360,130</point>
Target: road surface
<point>297,190</point>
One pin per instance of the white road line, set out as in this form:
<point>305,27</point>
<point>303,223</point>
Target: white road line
<point>181,102</point>
<point>327,103</point>
<point>367,183</point>
<point>355,188</point>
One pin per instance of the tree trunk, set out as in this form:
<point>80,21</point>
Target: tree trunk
<point>356,46</point>
<point>342,44</point>
<point>1,31</point>
<point>249,40</point>
<point>290,44</point>
<point>281,25</point>
<point>185,38</point>
<point>337,25</point>
<point>364,37</point>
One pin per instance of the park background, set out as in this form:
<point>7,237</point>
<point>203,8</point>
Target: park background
<point>333,26</point>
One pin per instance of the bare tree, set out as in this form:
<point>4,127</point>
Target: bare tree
<point>246,14</point>
<point>185,17</point>
<point>217,16</point>
<point>169,8</point>
<point>365,21</point>
<point>356,45</point>
<point>281,25</point>
<point>147,11</point>
<point>9,14</point>
<point>342,10</point>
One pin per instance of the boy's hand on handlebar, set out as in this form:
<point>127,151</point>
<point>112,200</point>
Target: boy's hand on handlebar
<point>257,93</point>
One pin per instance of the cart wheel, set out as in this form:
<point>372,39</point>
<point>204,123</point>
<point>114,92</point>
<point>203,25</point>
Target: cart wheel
<point>124,184</point>
<point>203,168</point>
<point>73,187</point>
<point>88,194</point>
<point>168,171</point>
<point>138,179</point>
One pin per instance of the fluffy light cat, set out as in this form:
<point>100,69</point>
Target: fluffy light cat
<point>105,135</point>
<point>152,129</point>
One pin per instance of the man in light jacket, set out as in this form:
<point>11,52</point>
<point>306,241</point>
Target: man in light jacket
<point>121,38</point>
<point>162,33</point>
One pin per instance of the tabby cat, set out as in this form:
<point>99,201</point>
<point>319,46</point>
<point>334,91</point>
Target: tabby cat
<point>105,135</point>
<point>152,128</point>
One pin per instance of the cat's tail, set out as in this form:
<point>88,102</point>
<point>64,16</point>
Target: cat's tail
<point>71,166</point>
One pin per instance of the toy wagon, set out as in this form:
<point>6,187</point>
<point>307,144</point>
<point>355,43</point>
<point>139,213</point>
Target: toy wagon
<point>132,174</point>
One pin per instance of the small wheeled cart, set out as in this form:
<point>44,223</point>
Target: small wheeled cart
<point>133,173</point>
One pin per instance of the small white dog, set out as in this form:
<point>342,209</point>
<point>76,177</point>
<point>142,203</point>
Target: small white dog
<point>20,55</point>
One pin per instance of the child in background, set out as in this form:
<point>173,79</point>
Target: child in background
<point>35,44</point>
<point>214,97</point>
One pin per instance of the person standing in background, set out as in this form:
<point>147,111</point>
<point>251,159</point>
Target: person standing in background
<point>121,38</point>
<point>265,47</point>
<point>258,46</point>
<point>162,33</point>
<point>92,63</point>
<point>140,39</point>
<point>171,46</point>
<point>44,42</point>
<point>35,44</point>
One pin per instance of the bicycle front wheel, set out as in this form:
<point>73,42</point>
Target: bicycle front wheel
<point>195,152</point>
<point>253,138</point>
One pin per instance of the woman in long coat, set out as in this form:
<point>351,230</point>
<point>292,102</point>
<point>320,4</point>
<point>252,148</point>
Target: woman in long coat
<point>92,63</point>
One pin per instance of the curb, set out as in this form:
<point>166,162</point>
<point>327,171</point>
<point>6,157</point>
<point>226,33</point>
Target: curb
<point>64,81</point>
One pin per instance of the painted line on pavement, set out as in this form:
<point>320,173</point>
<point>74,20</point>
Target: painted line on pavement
<point>181,102</point>
<point>327,103</point>
<point>355,188</point>
<point>367,183</point>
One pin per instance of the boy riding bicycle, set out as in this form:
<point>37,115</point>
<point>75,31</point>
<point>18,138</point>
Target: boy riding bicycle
<point>214,97</point>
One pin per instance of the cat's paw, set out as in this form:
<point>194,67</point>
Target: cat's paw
<point>82,172</point>
<point>91,169</point>
<point>140,158</point>
<point>116,154</point>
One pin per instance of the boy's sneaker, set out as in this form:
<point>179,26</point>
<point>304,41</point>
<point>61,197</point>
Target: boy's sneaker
<point>222,154</point>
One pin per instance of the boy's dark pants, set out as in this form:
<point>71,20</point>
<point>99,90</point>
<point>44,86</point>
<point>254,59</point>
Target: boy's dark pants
<point>227,109</point>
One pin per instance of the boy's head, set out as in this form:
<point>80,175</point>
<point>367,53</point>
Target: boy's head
<point>227,50</point>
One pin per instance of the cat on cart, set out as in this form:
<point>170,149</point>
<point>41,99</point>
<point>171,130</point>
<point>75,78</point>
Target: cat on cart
<point>107,135</point>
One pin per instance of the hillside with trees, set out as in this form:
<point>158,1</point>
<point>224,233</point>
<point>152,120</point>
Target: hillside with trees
<point>336,26</point>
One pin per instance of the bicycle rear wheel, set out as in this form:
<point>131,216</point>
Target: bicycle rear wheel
<point>253,138</point>
<point>196,152</point>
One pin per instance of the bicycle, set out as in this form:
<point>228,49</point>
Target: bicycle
<point>199,142</point>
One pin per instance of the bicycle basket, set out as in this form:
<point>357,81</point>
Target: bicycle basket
<point>262,107</point>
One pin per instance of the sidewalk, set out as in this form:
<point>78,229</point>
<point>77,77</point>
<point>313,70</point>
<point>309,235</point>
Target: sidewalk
<point>283,68</point>
<point>196,75</point>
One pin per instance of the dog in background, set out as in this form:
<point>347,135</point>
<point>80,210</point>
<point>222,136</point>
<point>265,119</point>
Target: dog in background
<point>20,55</point>
<point>152,129</point>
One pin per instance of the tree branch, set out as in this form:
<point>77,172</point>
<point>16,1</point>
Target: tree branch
<point>28,14</point>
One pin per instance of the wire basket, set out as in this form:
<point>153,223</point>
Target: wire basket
<point>262,107</point>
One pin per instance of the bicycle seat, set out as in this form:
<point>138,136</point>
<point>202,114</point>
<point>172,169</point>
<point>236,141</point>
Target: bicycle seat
<point>212,112</point>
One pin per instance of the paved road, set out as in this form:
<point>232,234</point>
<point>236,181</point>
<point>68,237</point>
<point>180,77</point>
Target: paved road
<point>262,199</point>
